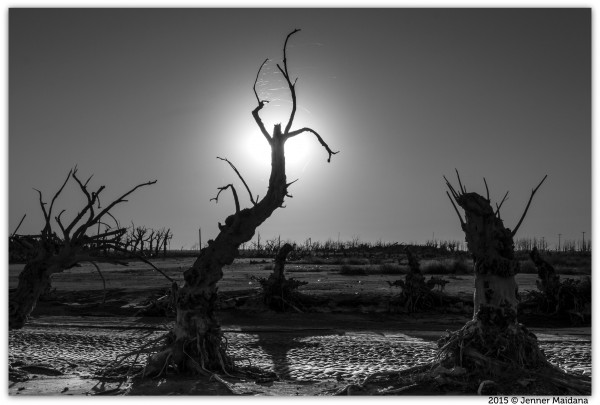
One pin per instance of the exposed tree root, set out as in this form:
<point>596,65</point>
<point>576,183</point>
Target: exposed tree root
<point>492,338</point>
<point>465,364</point>
<point>169,356</point>
<point>114,370</point>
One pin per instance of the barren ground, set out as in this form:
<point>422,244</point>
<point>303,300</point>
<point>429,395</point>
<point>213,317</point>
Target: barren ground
<point>74,335</point>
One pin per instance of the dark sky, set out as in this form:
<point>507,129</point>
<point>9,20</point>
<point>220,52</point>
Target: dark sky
<point>406,95</point>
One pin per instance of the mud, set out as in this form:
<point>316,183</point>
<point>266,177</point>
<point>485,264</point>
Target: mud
<point>45,352</point>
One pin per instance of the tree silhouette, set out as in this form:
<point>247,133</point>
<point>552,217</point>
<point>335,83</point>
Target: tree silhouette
<point>492,352</point>
<point>196,342</point>
<point>50,253</point>
<point>494,346</point>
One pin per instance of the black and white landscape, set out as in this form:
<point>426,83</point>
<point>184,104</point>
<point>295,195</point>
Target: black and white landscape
<point>439,236</point>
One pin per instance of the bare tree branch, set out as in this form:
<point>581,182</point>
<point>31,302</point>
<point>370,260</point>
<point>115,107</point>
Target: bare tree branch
<point>47,230</point>
<point>142,258</point>
<point>62,228</point>
<point>114,219</point>
<point>527,207</point>
<point>259,121</point>
<point>460,185</point>
<point>487,190</point>
<point>72,171</point>
<point>235,197</point>
<point>242,179</point>
<point>452,190</point>
<point>91,198</point>
<point>81,230</point>
<point>498,206</point>
<point>291,86</point>
<point>18,226</point>
<point>261,104</point>
<point>462,223</point>
<point>321,141</point>
<point>256,80</point>
<point>119,232</point>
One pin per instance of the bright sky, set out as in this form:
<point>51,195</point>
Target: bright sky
<point>406,95</point>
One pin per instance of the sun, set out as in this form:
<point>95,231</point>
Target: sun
<point>297,149</point>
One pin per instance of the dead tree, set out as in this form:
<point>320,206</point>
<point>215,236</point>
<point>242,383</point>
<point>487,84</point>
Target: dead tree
<point>168,236</point>
<point>492,248</point>
<point>150,240</point>
<point>280,293</point>
<point>493,351</point>
<point>417,294</point>
<point>491,245</point>
<point>280,258</point>
<point>159,235</point>
<point>140,233</point>
<point>494,343</point>
<point>549,281</point>
<point>414,283</point>
<point>53,253</point>
<point>196,342</point>
<point>556,296</point>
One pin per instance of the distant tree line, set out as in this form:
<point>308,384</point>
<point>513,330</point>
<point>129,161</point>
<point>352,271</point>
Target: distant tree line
<point>147,241</point>
<point>268,247</point>
<point>541,244</point>
<point>138,240</point>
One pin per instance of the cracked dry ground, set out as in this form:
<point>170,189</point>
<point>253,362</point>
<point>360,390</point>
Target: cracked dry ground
<point>44,351</point>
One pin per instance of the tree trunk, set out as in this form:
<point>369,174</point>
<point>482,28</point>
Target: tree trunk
<point>494,330</point>
<point>196,341</point>
<point>52,253</point>
<point>279,293</point>
<point>279,267</point>
<point>33,280</point>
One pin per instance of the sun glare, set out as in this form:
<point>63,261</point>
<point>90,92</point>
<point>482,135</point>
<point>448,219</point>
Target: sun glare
<point>296,149</point>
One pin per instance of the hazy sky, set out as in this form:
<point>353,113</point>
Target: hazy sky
<point>406,95</point>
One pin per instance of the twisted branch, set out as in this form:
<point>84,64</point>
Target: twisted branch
<point>235,197</point>
<point>527,207</point>
<point>291,86</point>
<point>261,104</point>
<point>321,141</point>
<point>242,179</point>
<point>47,230</point>
<point>119,200</point>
